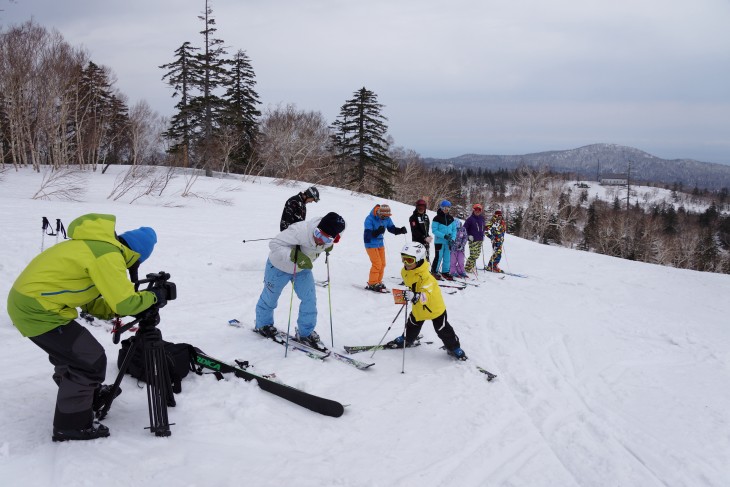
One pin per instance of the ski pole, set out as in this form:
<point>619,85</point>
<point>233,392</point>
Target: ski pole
<point>45,226</point>
<point>59,229</point>
<point>405,326</point>
<point>484,264</point>
<point>329,296</point>
<point>386,331</point>
<point>291,300</point>
<point>505,257</point>
<point>257,239</point>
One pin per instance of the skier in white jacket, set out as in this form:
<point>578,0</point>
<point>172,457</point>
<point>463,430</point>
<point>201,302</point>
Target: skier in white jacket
<point>291,255</point>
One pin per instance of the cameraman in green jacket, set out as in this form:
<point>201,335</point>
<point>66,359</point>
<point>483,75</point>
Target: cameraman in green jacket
<point>89,271</point>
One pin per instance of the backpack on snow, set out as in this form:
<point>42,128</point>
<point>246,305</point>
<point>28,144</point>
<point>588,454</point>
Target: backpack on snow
<point>180,360</point>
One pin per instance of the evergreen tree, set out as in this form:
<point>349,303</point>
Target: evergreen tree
<point>92,113</point>
<point>360,144</point>
<point>211,63</point>
<point>183,76</point>
<point>670,220</point>
<point>590,231</point>
<point>241,112</point>
<point>116,147</point>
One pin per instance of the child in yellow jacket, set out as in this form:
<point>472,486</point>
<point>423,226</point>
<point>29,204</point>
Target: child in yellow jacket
<point>428,303</point>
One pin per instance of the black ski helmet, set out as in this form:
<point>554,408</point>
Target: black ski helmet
<point>312,192</point>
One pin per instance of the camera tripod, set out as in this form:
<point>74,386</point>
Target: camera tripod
<point>157,375</point>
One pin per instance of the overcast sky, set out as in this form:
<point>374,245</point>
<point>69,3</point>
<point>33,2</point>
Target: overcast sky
<point>455,76</point>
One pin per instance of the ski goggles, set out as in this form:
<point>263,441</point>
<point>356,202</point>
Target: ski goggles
<point>408,259</point>
<point>326,239</point>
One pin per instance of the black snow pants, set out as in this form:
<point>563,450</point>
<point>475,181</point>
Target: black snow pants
<point>80,367</point>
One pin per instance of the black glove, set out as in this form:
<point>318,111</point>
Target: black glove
<point>161,294</point>
<point>378,231</point>
<point>448,237</point>
<point>401,231</point>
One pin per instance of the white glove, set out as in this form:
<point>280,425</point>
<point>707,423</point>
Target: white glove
<point>415,297</point>
<point>471,238</point>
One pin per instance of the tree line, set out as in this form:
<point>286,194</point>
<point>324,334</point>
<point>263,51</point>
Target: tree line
<point>60,109</point>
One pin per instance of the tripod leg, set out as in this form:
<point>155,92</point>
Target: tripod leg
<point>102,412</point>
<point>159,388</point>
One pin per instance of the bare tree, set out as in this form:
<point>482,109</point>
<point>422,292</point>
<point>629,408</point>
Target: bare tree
<point>293,144</point>
<point>145,128</point>
<point>65,184</point>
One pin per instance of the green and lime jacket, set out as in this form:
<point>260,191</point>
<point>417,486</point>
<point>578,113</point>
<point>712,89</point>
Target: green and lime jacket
<point>89,271</point>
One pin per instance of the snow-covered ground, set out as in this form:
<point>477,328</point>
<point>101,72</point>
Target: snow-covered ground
<point>645,196</point>
<point>611,372</point>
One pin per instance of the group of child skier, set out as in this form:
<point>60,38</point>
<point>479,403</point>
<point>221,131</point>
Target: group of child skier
<point>300,243</point>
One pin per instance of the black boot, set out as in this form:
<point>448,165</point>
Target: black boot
<point>96,430</point>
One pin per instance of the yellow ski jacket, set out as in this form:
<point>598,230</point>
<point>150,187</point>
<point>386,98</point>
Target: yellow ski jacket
<point>424,283</point>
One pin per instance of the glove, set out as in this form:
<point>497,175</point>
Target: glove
<point>414,297</point>
<point>471,238</point>
<point>300,258</point>
<point>448,237</point>
<point>401,231</point>
<point>378,231</point>
<point>161,295</point>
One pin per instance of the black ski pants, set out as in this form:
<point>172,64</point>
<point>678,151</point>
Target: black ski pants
<point>443,329</point>
<point>80,367</point>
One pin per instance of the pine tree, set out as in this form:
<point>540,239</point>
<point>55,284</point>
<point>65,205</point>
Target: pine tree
<point>360,144</point>
<point>241,112</point>
<point>590,231</point>
<point>93,111</point>
<point>211,63</point>
<point>183,76</point>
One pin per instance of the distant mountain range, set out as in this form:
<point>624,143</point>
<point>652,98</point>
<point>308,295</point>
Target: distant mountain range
<point>590,161</point>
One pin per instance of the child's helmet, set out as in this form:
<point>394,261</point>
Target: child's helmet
<point>313,193</point>
<point>416,250</point>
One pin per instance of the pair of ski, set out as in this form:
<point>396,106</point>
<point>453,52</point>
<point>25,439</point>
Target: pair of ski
<point>505,273</point>
<point>372,348</point>
<point>311,352</point>
<point>458,285</point>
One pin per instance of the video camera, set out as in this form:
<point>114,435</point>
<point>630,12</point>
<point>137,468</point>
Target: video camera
<point>159,284</point>
<point>165,291</point>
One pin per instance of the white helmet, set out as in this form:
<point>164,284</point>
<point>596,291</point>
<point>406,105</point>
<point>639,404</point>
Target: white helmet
<point>414,249</point>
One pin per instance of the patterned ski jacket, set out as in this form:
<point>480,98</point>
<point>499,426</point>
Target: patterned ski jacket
<point>295,210</point>
<point>420,280</point>
<point>443,225</point>
<point>89,271</point>
<point>496,228</point>
<point>420,225</point>
<point>301,234</point>
<point>374,222</point>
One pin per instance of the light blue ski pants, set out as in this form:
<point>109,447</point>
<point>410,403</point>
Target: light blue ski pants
<point>274,283</point>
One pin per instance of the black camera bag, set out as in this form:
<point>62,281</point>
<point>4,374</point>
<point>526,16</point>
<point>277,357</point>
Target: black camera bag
<point>180,361</point>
